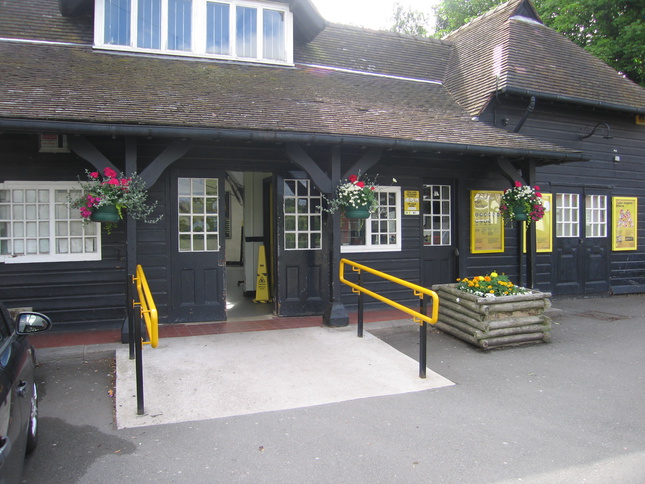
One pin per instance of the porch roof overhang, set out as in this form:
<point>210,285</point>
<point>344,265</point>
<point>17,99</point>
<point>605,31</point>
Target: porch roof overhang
<point>265,136</point>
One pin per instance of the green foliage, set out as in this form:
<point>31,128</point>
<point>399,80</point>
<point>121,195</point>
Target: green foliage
<point>612,30</point>
<point>452,14</point>
<point>411,22</point>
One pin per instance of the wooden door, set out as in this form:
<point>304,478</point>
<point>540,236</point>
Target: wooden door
<point>439,262</point>
<point>302,263</point>
<point>198,261</point>
<point>582,244</point>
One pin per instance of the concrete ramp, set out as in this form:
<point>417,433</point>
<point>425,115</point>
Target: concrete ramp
<point>214,376</point>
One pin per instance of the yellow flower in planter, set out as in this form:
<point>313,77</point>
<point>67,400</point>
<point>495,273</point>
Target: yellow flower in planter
<point>495,285</point>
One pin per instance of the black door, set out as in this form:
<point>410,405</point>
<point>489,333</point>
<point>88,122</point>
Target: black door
<point>302,267</point>
<point>582,243</point>
<point>439,261</point>
<point>198,263</point>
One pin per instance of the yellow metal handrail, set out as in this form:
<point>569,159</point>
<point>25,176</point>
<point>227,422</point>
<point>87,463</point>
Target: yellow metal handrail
<point>419,291</point>
<point>148,307</point>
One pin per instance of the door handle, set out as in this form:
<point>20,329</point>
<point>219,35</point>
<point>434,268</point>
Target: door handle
<point>21,391</point>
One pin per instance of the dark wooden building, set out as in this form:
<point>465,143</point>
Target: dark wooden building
<point>261,126</point>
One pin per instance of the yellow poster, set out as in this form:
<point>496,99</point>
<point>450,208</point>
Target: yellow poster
<point>486,223</point>
<point>411,203</point>
<point>625,218</point>
<point>544,227</point>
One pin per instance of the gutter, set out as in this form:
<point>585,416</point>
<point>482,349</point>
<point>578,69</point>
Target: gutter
<point>75,128</point>
<point>573,100</point>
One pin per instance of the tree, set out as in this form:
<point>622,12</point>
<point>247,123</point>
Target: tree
<point>612,30</point>
<point>452,14</point>
<point>411,22</point>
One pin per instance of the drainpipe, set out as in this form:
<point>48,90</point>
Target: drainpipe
<point>528,111</point>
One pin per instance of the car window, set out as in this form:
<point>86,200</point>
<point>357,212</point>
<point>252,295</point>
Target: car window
<point>6,324</point>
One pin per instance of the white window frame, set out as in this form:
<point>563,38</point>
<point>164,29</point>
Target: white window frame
<point>198,31</point>
<point>567,215</point>
<point>311,215</point>
<point>596,210</point>
<point>190,216</point>
<point>369,246</point>
<point>91,231</point>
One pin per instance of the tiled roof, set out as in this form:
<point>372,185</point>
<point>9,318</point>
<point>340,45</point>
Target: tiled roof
<point>83,85</point>
<point>501,50</point>
<point>381,52</point>
<point>41,20</point>
<point>79,84</point>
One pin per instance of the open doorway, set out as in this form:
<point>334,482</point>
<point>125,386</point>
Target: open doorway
<point>248,210</point>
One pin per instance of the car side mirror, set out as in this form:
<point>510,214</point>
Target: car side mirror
<point>29,323</point>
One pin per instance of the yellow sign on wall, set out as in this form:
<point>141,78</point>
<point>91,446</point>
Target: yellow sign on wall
<point>411,203</point>
<point>625,220</point>
<point>544,227</point>
<point>486,223</point>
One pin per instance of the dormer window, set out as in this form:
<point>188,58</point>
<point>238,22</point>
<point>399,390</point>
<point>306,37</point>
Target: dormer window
<point>233,29</point>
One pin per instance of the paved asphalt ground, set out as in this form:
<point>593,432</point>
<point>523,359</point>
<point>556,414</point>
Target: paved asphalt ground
<point>571,411</point>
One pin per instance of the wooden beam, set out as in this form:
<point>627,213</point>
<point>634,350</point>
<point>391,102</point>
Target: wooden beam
<point>169,155</point>
<point>297,155</point>
<point>507,169</point>
<point>86,150</point>
<point>365,162</point>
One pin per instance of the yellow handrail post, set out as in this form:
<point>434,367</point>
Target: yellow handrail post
<point>147,306</point>
<point>420,316</point>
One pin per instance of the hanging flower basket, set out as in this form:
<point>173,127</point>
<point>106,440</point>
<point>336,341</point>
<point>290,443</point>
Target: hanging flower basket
<point>105,213</point>
<point>362,212</point>
<point>520,215</point>
<point>522,203</point>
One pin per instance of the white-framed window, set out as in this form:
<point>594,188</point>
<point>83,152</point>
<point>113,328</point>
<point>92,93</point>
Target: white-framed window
<point>38,225</point>
<point>302,215</point>
<point>379,233</point>
<point>437,224</point>
<point>228,29</point>
<point>198,214</point>
<point>567,215</point>
<point>596,216</point>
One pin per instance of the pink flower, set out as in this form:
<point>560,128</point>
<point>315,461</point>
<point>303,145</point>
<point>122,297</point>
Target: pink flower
<point>536,187</point>
<point>109,172</point>
<point>94,174</point>
<point>352,178</point>
<point>113,181</point>
<point>518,184</point>
<point>125,182</point>
<point>538,194</point>
<point>360,184</point>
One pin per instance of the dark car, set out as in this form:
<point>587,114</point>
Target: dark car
<point>18,395</point>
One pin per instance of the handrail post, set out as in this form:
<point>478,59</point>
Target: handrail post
<point>131,315</point>
<point>139,363</point>
<point>361,305</point>
<point>423,332</point>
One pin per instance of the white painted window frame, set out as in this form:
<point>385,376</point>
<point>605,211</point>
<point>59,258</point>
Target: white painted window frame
<point>88,232</point>
<point>313,200</point>
<point>198,31</point>
<point>369,246</point>
<point>596,210</point>
<point>567,220</point>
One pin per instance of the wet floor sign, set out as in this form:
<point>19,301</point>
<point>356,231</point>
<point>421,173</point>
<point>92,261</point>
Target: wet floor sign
<point>262,283</point>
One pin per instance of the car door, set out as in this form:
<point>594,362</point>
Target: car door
<point>12,435</point>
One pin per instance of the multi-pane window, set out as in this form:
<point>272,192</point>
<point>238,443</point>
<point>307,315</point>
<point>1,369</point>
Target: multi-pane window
<point>302,215</point>
<point>38,225</point>
<point>239,29</point>
<point>198,210</point>
<point>436,215</point>
<point>596,216</point>
<point>567,215</point>
<point>381,232</point>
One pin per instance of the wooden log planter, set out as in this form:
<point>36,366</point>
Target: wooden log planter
<point>496,321</point>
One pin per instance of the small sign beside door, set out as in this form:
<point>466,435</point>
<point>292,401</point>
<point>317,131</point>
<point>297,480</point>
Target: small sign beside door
<point>411,203</point>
